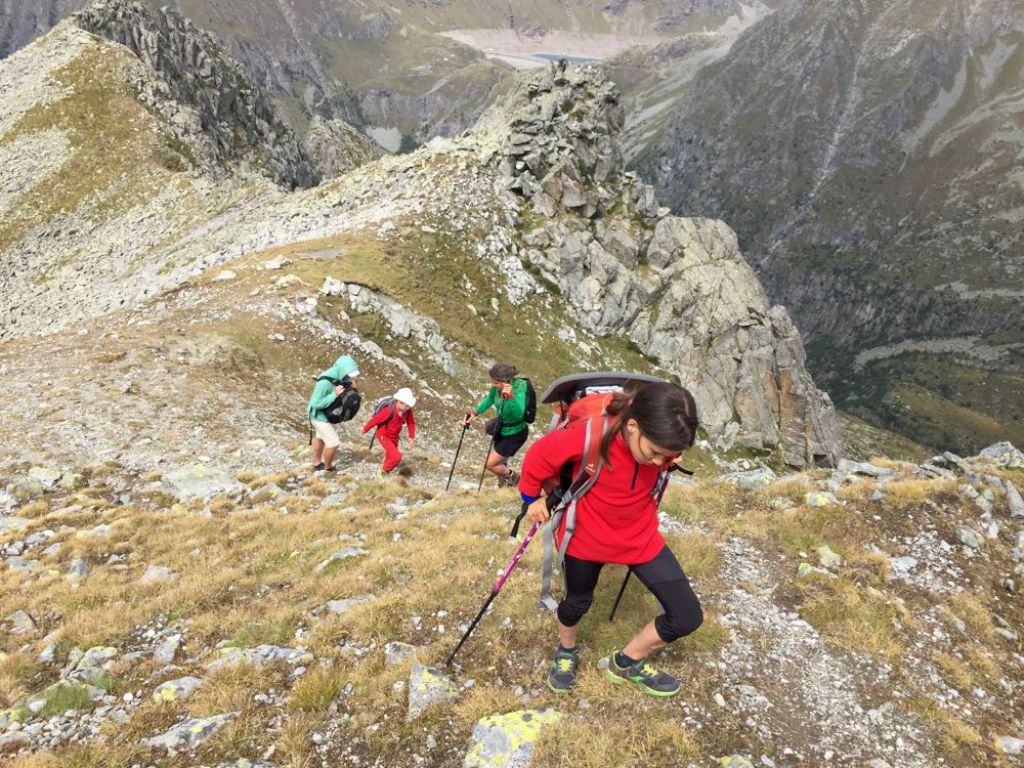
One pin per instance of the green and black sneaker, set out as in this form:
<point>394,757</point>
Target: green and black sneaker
<point>562,676</point>
<point>645,675</point>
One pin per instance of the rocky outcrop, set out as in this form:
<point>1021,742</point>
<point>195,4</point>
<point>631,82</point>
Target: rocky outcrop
<point>678,288</point>
<point>335,147</point>
<point>206,94</point>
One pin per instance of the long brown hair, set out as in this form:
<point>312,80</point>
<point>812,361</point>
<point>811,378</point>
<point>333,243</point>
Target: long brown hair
<point>666,414</point>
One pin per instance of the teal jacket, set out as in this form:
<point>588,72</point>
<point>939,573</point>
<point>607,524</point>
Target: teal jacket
<point>323,392</point>
<point>511,411</point>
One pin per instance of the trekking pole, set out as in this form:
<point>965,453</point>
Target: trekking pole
<point>465,426</point>
<point>497,587</point>
<point>497,426</point>
<point>622,589</point>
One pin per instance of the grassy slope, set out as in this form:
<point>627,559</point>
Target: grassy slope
<point>246,577</point>
<point>941,403</point>
<point>104,123</point>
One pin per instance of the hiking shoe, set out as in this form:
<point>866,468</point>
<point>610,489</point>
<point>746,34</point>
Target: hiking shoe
<point>562,676</point>
<point>645,675</point>
<point>329,469</point>
<point>318,467</point>
<point>508,481</point>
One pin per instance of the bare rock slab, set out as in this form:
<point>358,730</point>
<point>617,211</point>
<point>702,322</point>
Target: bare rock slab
<point>507,741</point>
<point>1004,454</point>
<point>173,690</point>
<point>1013,500</point>
<point>190,733</point>
<point>428,686</point>
<point>199,481</point>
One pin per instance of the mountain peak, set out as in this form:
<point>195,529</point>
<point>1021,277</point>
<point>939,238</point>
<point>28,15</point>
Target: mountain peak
<point>206,94</point>
<point>678,288</point>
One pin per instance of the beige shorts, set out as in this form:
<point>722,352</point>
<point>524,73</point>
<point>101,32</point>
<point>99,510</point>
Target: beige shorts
<point>326,432</point>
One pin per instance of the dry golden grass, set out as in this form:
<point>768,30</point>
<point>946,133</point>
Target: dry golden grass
<point>575,741</point>
<point>793,487</point>
<point>697,553</point>
<point>958,739</point>
<point>231,688</point>
<point>902,494</point>
<point>852,617</point>
<point>247,576</point>
<point>954,670</point>
<point>17,671</point>
<point>35,508</point>
<point>858,491</point>
<point>89,756</point>
<point>974,613</point>
<point>293,745</point>
<point>319,688</point>
<point>981,659</point>
<point>484,700</point>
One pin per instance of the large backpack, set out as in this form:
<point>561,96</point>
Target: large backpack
<point>345,406</point>
<point>579,398</point>
<point>530,413</point>
<point>387,401</point>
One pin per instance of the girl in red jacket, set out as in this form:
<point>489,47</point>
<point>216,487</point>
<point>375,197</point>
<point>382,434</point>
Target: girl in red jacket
<point>389,422</point>
<point>617,522</point>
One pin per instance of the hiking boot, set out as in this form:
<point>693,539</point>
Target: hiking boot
<point>508,481</point>
<point>645,675</point>
<point>562,676</point>
<point>318,467</point>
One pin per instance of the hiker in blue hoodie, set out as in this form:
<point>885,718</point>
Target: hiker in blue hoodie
<point>326,441</point>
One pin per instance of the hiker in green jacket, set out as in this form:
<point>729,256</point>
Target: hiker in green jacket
<point>326,442</point>
<point>507,396</point>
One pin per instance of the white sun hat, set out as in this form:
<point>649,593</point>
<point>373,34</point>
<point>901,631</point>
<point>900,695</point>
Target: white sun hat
<point>406,396</point>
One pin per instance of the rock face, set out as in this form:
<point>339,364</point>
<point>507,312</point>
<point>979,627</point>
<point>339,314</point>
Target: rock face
<point>842,160</point>
<point>232,119</point>
<point>335,147</point>
<point>678,288</point>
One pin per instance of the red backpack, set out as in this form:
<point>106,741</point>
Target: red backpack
<point>576,398</point>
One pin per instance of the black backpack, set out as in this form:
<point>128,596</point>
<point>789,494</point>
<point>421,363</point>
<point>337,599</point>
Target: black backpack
<point>346,405</point>
<point>530,413</point>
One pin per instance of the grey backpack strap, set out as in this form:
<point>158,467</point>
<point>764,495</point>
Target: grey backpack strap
<point>585,478</point>
<point>545,600</point>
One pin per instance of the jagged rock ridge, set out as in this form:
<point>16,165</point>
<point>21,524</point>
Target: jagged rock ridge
<point>232,113</point>
<point>678,288</point>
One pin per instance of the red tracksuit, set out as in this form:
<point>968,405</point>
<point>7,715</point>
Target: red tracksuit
<point>388,434</point>
<point>617,519</point>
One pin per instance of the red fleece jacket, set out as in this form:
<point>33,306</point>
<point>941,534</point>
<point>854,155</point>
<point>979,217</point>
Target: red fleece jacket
<point>617,519</point>
<point>394,427</point>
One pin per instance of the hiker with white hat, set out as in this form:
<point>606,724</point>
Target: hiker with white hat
<point>389,416</point>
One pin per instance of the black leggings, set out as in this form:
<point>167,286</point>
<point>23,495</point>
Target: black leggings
<point>663,577</point>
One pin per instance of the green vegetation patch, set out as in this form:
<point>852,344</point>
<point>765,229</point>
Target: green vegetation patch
<point>111,136</point>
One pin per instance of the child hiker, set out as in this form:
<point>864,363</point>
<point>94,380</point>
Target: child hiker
<point>330,384</point>
<point>389,421</point>
<point>507,396</point>
<point>617,522</point>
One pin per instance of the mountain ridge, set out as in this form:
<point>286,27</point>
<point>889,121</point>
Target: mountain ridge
<point>869,169</point>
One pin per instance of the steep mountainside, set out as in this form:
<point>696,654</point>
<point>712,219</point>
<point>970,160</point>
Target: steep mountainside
<point>386,66</point>
<point>869,156</point>
<point>179,587</point>
<point>548,211</point>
